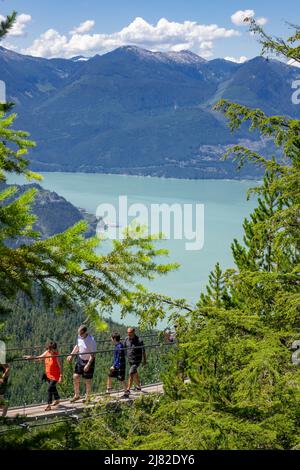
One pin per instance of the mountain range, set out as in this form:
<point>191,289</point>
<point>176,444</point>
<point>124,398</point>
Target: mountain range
<point>134,111</point>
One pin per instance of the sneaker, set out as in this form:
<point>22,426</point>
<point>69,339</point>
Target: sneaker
<point>74,399</point>
<point>138,389</point>
<point>48,408</point>
<point>126,394</point>
<point>56,403</point>
<point>108,391</point>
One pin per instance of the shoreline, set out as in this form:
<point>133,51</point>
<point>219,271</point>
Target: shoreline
<point>164,178</point>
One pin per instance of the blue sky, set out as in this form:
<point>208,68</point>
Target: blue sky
<point>50,28</point>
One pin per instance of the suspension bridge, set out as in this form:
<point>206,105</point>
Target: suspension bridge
<point>66,407</point>
<point>156,346</point>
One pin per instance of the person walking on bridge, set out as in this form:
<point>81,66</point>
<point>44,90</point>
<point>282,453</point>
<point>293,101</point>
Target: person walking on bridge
<point>4,374</point>
<point>136,353</point>
<point>85,364</point>
<point>52,373</point>
<point>118,369</point>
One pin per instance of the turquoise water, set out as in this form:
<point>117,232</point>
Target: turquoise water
<point>225,207</point>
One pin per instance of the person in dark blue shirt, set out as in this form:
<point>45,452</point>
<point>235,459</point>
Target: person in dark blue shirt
<point>118,369</point>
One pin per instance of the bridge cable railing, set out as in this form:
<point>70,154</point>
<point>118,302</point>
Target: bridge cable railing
<point>150,375</point>
<point>41,346</point>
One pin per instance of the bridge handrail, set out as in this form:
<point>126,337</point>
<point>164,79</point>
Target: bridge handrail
<point>35,347</point>
<point>100,351</point>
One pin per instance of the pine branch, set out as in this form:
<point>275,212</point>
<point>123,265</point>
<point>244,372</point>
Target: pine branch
<point>278,46</point>
<point>7,24</point>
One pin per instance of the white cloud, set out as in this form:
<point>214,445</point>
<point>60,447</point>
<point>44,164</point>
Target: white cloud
<point>206,49</point>
<point>238,18</point>
<point>49,44</point>
<point>19,27</point>
<point>164,36</point>
<point>261,21</point>
<point>8,45</point>
<point>293,63</point>
<point>84,27</point>
<point>237,60</point>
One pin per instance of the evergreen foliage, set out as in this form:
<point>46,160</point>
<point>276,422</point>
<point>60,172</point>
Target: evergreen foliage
<point>7,24</point>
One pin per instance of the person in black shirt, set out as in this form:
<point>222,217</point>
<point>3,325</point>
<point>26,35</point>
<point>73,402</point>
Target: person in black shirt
<point>135,351</point>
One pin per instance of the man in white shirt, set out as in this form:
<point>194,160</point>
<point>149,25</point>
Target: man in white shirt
<point>85,363</point>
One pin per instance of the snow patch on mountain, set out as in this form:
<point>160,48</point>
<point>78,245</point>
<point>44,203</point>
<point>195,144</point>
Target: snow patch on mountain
<point>185,57</point>
<point>80,58</point>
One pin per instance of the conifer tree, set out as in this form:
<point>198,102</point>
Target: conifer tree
<point>216,291</point>
<point>258,250</point>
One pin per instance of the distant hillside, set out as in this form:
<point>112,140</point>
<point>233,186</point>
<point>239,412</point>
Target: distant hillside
<point>133,111</point>
<point>54,213</point>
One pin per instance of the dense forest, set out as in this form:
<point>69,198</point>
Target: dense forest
<point>234,346</point>
<point>34,325</point>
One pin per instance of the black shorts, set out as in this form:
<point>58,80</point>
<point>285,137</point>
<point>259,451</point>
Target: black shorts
<point>80,365</point>
<point>117,374</point>
<point>134,367</point>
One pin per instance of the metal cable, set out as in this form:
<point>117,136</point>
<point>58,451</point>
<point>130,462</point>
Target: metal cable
<point>100,351</point>
<point>34,347</point>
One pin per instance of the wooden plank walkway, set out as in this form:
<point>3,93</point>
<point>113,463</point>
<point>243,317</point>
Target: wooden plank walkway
<point>65,407</point>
